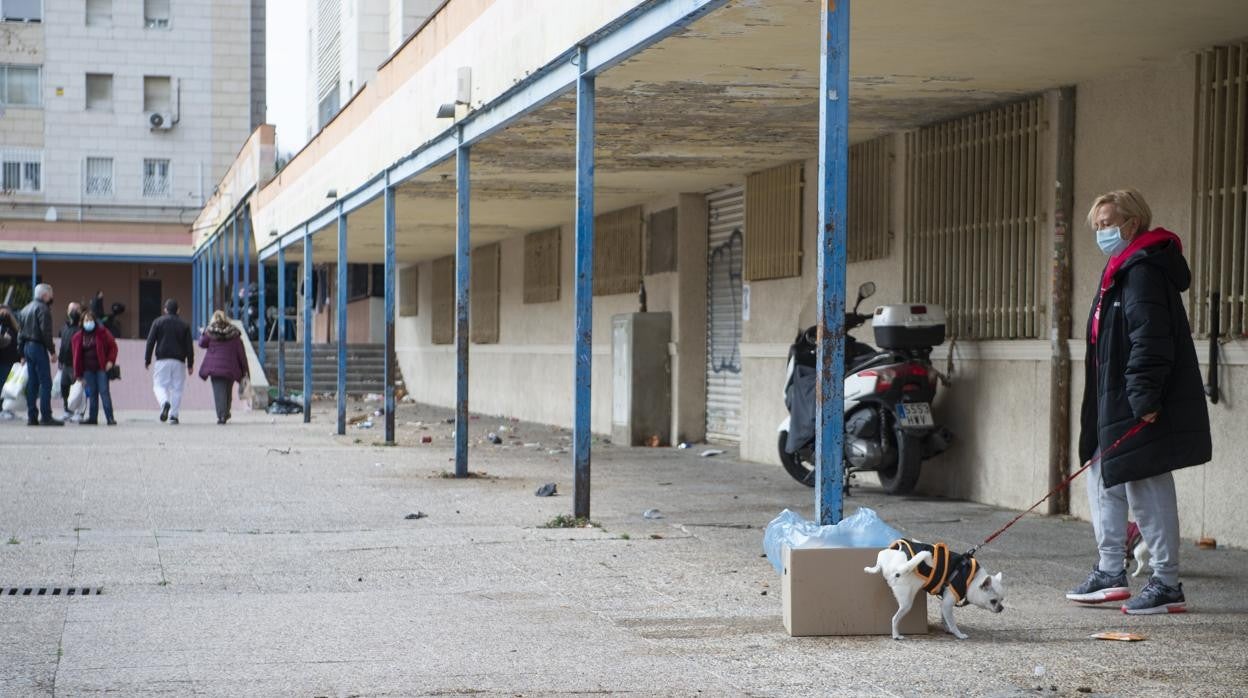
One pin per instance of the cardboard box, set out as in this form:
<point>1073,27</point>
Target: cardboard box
<point>827,593</point>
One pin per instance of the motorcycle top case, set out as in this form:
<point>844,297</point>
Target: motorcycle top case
<point>909,326</point>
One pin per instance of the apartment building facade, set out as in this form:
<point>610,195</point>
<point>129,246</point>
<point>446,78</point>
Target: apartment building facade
<point>117,120</point>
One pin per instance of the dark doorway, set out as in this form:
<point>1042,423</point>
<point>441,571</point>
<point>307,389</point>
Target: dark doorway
<point>150,304</point>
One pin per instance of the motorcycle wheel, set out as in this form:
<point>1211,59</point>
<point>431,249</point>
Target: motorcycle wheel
<point>901,478</point>
<point>797,469</point>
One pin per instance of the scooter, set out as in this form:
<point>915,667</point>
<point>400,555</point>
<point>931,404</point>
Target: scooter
<point>889,426</point>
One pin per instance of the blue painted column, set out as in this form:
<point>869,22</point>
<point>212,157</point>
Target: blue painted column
<point>34,269</point>
<point>193,312</point>
<point>281,321</point>
<point>463,263</point>
<point>208,281</point>
<point>308,304</point>
<point>584,263</point>
<point>208,278</point>
<point>340,305</point>
<point>260,319</point>
<point>201,286</point>
<point>389,372</point>
<point>214,276</point>
<point>234,276</point>
<point>246,253</point>
<point>833,185</point>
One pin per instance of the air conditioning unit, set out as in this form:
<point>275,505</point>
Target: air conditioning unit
<point>160,121</point>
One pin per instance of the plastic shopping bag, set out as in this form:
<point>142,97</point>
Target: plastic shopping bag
<point>15,383</point>
<point>14,406</point>
<point>862,530</point>
<point>77,398</point>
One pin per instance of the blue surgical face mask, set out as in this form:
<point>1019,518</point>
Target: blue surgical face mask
<point>1110,241</point>
<point>89,325</point>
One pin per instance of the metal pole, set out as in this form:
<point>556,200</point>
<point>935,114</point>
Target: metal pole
<point>341,322</point>
<point>584,255</point>
<point>260,328</point>
<point>34,269</point>
<point>1060,300</point>
<point>281,321</point>
<point>307,324</point>
<point>202,288</point>
<point>246,252</point>
<point>193,314</point>
<point>833,181</point>
<point>233,253</point>
<point>388,374</point>
<point>462,276</point>
<point>212,279</point>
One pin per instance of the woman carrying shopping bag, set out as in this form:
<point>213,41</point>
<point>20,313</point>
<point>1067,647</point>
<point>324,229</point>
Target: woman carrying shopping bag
<point>10,356</point>
<point>9,353</point>
<point>225,362</point>
<point>95,355</point>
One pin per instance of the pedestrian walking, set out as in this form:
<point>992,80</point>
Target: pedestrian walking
<point>170,341</point>
<point>9,354</point>
<point>95,355</point>
<point>225,362</point>
<point>37,348</point>
<point>65,354</point>
<point>1141,367</point>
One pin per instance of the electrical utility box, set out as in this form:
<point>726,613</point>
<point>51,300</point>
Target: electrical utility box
<point>641,379</point>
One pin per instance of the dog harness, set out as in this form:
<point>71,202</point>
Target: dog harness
<point>948,569</point>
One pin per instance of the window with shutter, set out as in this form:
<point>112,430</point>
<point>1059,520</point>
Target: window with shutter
<point>485,273</point>
<point>773,223</point>
<point>617,252</point>
<point>444,300</point>
<point>409,305</point>
<point>541,266</point>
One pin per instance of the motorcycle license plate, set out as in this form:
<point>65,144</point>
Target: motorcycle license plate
<point>914,414</point>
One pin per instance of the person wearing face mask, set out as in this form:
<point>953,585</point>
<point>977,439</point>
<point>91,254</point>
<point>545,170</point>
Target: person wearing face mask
<point>95,352</point>
<point>1140,367</point>
<point>65,353</point>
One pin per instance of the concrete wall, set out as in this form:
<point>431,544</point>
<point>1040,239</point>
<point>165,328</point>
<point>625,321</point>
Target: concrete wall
<point>529,373</point>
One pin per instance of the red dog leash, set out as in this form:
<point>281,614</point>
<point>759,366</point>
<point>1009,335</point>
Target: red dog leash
<point>1130,432</point>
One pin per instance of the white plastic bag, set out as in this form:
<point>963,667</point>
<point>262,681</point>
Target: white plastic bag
<point>862,530</point>
<point>15,383</point>
<point>77,398</point>
<point>15,406</point>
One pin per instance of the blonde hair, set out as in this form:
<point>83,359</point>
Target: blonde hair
<point>219,318</point>
<point>1130,204</point>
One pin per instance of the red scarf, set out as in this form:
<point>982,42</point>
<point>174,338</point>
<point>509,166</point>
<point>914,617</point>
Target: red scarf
<point>1151,238</point>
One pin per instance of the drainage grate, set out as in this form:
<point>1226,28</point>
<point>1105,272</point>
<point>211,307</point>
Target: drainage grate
<point>51,591</point>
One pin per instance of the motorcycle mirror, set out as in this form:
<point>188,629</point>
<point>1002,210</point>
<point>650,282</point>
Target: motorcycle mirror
<point>866,290</point>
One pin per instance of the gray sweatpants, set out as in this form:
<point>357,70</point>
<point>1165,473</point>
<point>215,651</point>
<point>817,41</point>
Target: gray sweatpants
<point>1156,512</point>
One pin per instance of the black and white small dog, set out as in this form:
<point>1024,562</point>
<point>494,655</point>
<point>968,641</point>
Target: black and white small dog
<point>910,566</point>
<point>1137,550</point>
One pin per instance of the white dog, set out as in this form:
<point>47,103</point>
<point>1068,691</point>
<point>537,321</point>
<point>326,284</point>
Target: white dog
<point>1138,550</point>
<point>909,566</point>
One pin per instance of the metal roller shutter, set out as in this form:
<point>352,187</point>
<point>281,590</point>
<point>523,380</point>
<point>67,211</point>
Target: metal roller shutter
<point>723,327</point>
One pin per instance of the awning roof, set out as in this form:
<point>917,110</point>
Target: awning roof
<point>736,92</point>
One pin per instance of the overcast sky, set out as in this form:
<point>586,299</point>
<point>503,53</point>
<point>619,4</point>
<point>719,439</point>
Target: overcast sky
<point>286,38</point>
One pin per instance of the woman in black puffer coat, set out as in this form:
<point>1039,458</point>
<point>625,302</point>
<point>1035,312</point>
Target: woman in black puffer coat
<point>1140,368</point>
